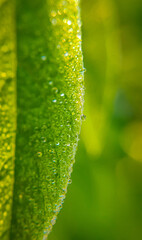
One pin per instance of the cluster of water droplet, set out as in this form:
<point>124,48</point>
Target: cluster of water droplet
<point>50,101</point>
<point>7,114</point>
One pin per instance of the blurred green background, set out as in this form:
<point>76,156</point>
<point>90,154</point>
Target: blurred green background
<point>104,201</point>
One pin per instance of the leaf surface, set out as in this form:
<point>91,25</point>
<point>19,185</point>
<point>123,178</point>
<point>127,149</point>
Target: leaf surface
<point>7,112</point>
<point>49,108</point>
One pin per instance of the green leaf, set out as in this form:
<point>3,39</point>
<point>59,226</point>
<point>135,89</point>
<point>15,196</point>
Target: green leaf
<point>7,112</point>
<point>49,109</point>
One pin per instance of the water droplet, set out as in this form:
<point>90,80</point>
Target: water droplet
<point>45,232</point>
<point>79,36</point>
<point>50,83</point>
<point>84,69</point>
<point>54,21</point>
<point>54,89</point>
<point>43,58</point>
<point>69,181</point>
<point>53,220</point>
<point>57,144</point>
<point>62,94</point>
<point>70,30</point>
<point>69,22</point>
<point>59,12</point>
<point>53,13</point>
<point>58,46</point>
<point>62,196</point>
<point>79,22</point>
<point>70,169</point>
<point>54,171</point>
<point>39,154</point>
<point>83,117</point>
<point>54,100</point>
<point>66,54</point>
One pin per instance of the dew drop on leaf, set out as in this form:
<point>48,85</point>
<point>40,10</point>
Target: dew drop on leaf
<point>43,58</point>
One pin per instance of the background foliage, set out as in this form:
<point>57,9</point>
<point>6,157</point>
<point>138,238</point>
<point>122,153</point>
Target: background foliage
<point>104,199</point>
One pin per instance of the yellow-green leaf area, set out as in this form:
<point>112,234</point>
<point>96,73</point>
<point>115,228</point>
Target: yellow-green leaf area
<point>49,109</point>
<point>7,113</point>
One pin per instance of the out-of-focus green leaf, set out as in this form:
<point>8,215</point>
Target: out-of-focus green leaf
<point>103,53</point>
<point>7,112</point>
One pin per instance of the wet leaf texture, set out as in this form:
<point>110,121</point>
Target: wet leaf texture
<point>7,113</point>
<point>49,109</point>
